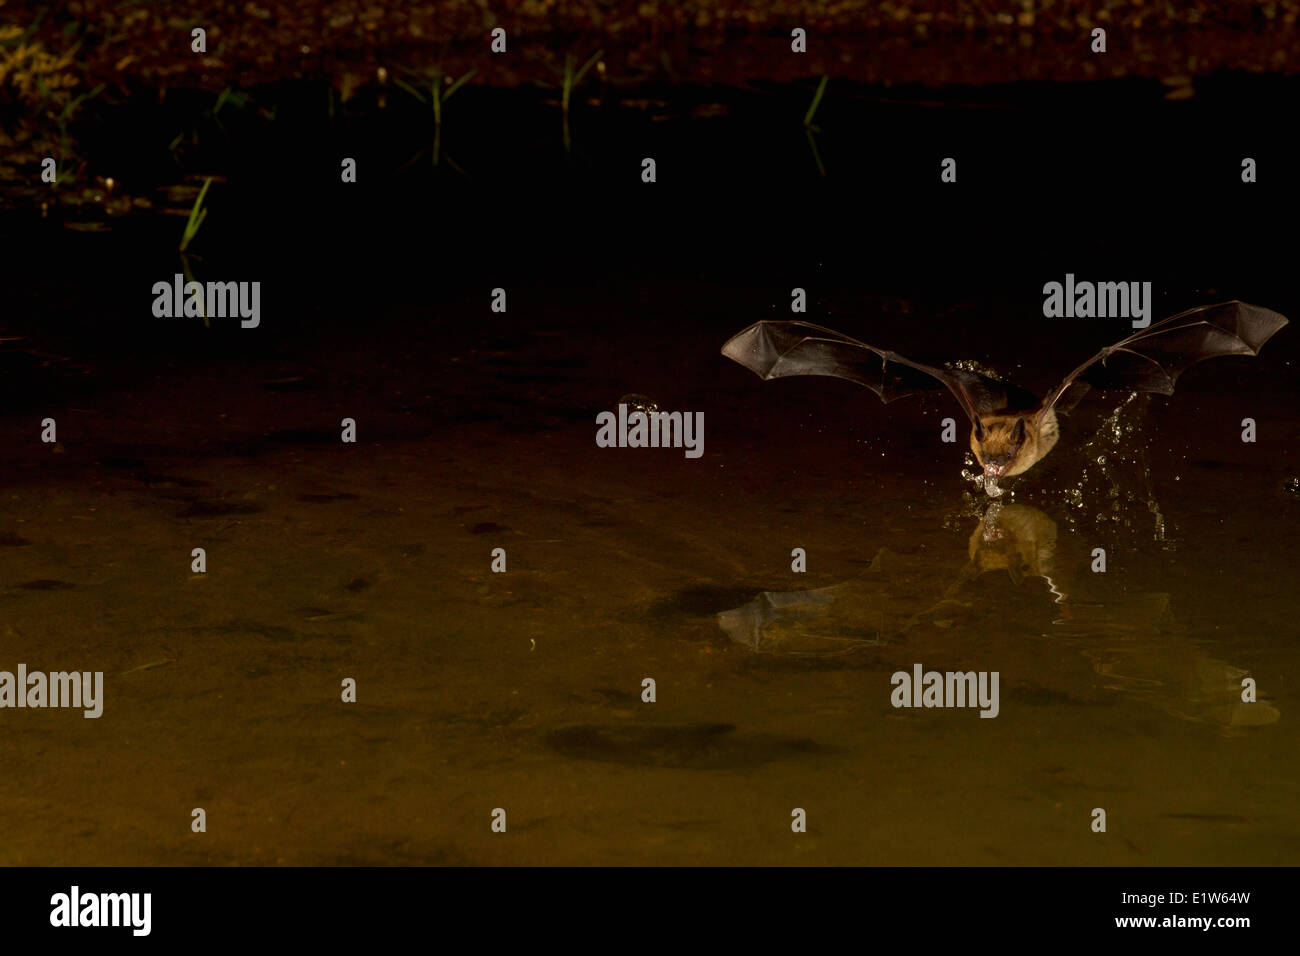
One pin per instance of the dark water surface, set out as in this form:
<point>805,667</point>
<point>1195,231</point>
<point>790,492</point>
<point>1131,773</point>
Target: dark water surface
<point>476,431</point>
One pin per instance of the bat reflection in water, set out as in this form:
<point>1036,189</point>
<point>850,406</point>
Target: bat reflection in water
<point>1131,642</point>
<point>1011,429</point>
<point>896,593</point>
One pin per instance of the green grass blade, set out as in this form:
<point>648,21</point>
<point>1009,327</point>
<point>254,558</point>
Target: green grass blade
<point>457,85</point>
<point>816,101</point>
<point>591,61</point>
<point>197,215</point>
<point>397,81</point>
<point>817,156</point>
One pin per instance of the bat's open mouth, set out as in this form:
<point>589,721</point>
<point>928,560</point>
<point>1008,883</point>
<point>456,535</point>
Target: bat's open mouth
<point>994,471</point>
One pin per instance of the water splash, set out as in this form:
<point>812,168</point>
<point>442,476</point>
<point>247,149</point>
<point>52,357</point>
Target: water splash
<point>636,402</point>
<point>970,365</point>
<point>982,482</point>
<point>1116,481</point>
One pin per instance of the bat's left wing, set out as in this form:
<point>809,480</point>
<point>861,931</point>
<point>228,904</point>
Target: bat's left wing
<point>1151,360</point>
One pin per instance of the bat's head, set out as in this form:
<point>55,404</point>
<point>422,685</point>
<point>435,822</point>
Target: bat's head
<point>1006,445</point>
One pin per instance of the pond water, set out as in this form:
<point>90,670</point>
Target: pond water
<point>476,431</point>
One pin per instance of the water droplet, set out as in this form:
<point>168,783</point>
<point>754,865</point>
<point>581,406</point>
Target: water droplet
<point>639,403</point>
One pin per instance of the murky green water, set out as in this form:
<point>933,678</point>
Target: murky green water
<point>523,690</point>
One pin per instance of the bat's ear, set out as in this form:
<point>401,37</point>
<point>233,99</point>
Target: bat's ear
<point>1018,432</point>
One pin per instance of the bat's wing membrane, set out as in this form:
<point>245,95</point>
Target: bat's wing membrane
<point>781,349</point>
<point>1152,359</point>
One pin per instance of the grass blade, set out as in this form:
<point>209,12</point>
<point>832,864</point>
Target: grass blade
<point>397,81</point>
<point>197,215</point>
<point>816,101</point>
<point>457,85</point>
<point>591,61</point>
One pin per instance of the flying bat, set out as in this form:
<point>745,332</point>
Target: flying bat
<point>1011,429</point>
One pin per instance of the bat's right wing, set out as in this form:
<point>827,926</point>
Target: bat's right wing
<point>781,349</point>
<point>1151,360</point>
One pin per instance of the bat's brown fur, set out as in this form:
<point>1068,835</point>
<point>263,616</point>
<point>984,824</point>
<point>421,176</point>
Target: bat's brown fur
<point>1006,445</point>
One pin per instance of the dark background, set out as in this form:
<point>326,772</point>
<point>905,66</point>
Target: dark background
<point>1109,181</point>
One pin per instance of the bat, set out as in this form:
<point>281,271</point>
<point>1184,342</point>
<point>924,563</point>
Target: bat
<point>1011,429</point>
